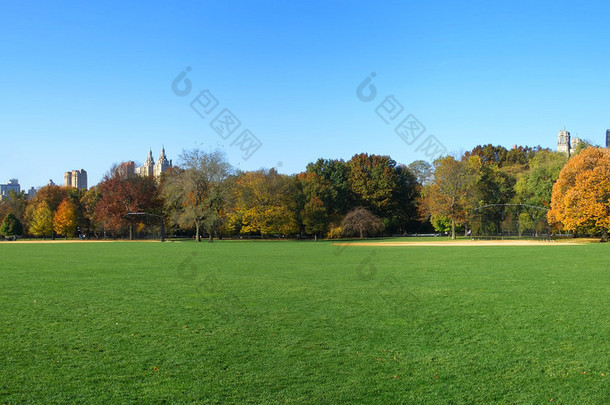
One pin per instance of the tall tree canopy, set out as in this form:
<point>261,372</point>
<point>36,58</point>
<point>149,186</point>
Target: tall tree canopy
<point>64,220</point>
<point>264,204</point>
<point>195,194</point>
<point>450,195</point>
<point>385,188</point>
<point>11,226</point>
<point>581,196</point>
<point>121,194</point>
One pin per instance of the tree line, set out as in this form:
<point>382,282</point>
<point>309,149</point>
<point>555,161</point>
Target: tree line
<point>368,195</point>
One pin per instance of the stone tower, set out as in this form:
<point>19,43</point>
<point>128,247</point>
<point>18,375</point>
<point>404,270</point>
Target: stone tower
<point>149,166</point>
<point>162,163</point>
<point>563,142</point>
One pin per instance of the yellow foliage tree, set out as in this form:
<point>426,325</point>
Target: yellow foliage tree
<point>263,204</point>
<point>40,219</point>
<point>64,221</point>
<point>581,196</point>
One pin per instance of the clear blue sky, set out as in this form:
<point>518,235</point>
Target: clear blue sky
<point>89,85</point>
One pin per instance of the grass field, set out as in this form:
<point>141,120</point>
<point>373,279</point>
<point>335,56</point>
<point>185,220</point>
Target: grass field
<point>303,322</point>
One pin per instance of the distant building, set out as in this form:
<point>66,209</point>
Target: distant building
<point>31,193</point>
<point>608,138</point>
<point>5,189</point>
<point>127,169</point>
<point>162,164</point>
<point>51,183</point>
<point>565,143</point>
<point>76,179</point>
<point>150,168</point>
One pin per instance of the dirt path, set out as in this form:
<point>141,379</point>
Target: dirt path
<point>468,243</point>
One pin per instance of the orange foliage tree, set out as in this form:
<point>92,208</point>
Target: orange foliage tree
<point>64,221</point>
<point>581,196</point>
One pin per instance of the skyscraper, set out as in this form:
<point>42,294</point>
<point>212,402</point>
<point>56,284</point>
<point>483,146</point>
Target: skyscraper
<point>162,164</point>
<point>76,179</point>
<point>608,138</point>
<point>12,185</point>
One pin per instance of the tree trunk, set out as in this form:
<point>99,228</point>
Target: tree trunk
<point>130,232</point>
<point>315,237</point>
<point>452,228</point>
<point>197,239</point>
<point>604,235</point>
<point>211,238</point>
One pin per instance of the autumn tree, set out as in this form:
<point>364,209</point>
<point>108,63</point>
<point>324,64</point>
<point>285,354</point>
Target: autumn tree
<point>195,193</point>
<point>264,203</point>
<point>47,198</point>
<point>581,196</point>
<point>450,193</point>
<point>52,195</point>
<point>121,194</point>
<point>11,226</point>
<point>40,219</point>
<point>15,204</point>
<point>362,222</point>
<point>64,220</point>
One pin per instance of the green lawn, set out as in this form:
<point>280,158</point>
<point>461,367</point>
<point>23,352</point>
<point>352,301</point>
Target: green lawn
<point>303,322</point>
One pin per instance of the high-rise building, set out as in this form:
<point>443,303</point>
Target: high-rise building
<point>565,143</point>
<point>127,169</point>
<point>162,164</point>
<point>32,193</point>
<point>76,179</point>
<point>5,189</point>
<point>150,168</point>
<point>608,138</point>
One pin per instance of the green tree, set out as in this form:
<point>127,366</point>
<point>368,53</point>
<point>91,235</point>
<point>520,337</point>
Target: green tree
<point>385,188</point>
<point>11,226</point>
<point>331,185</point>
<point>88,202</point>
<point>451,192</point>
<point>315,217</point>
<point>535,186</point>
<point>423,171</point>
<point>195,194</point>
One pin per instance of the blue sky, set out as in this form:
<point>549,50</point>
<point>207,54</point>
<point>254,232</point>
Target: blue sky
<point>89,85</point>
